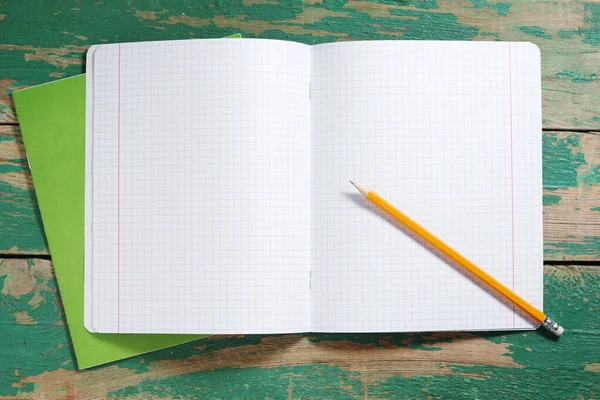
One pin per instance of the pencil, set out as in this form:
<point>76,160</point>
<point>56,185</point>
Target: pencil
<point>434,241</point>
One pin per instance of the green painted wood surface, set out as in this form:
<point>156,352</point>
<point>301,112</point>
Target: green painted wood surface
<point>21,229</point>
<point>571,181</point>
<point>42,41</point>
<point>37,359</point>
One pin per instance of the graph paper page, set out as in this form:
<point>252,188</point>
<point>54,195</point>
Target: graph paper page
<point>198,187</point>
<point>450,133</point>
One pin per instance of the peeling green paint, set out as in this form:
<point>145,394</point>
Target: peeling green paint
<point>550,199</point>
<point>576,76</point>
<point>6,139</point>
<point>434,26</point>
<point>536,31</point>
<point>422,4</point>
<point>491,34</point>
<point>592,176</point>
<point>574,140</point>
<point>592,17</point>
<point>500,8</point>
<point>410,24</point>
<point>545,364</point>
<point>20,219</point>
<point>46,342</point>
<point>112,21</point>
<point>491,383</point>
<point>595,209</point>
<point>266,12</point>
<point>588,246</point>
<point>356,24</point>
<point>7,168</point>
<point>568,33</point>
<point>590,34</point>
<point>561,160</point>
<point>307,381</point>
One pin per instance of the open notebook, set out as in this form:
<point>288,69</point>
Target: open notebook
<point>217,193</point>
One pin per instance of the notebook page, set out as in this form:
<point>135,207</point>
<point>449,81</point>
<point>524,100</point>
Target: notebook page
<point>198,187</point>
<point>450,133</point>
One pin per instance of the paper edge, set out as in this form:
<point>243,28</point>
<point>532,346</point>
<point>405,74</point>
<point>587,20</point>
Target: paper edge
<point>235,36</point>
<point>96,364</point>
<point>44,84</point>
<point>538,59</point>
<point>88,322</point>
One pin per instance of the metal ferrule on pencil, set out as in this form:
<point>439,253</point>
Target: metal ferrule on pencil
<point>552,326</point>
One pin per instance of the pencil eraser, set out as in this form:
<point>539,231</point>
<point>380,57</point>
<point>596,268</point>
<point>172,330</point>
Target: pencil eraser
<point>559,331</point>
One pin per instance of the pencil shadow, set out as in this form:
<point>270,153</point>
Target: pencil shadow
<point>208,354</point>
<point>362,202</point>
<point>84,63</point>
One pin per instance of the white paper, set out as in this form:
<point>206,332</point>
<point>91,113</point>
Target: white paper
<point>450,133</point>
<point>199,187</point>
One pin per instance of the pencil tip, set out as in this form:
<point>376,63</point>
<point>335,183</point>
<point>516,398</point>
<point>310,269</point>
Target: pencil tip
<point>361,189</point>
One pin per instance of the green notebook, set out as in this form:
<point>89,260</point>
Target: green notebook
<point>52,119</point>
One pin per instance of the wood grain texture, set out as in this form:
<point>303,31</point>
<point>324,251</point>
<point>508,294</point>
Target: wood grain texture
<point>571,162</point>
<point>21,230</point>
<point>37,361</point>
<point>571,181</point>
<point>42,43</point>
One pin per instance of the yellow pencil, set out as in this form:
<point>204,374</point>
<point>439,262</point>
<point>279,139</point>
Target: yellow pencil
<point>492,282</point>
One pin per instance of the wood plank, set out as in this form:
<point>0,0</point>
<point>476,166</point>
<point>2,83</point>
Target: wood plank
<point>38,362</point>
<point>34,51</point>
<point>571,197</point>
<point>21,230</point>
<point>571,180</point>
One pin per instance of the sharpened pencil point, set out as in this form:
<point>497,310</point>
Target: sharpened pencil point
<point>361,189</point>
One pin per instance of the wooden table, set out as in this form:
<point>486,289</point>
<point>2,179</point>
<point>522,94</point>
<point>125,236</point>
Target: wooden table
<point>43,42</point>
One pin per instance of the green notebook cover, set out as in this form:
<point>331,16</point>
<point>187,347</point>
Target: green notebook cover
<point>52,119</point>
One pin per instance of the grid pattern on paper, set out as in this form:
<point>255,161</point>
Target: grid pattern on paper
<point>450,132</point>
<point>201,187</point>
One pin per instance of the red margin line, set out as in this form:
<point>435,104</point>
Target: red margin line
<point>512,182</point>
<point>119,190</point>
